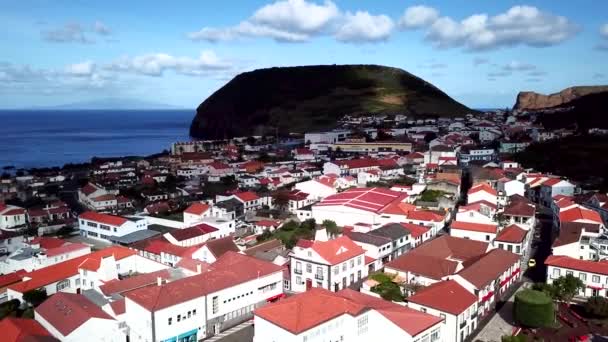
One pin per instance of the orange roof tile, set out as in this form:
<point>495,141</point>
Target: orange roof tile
<point>103,218</point>
<point>474,227</point>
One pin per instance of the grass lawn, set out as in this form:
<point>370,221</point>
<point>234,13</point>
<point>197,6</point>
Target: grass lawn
<point>430,195</point>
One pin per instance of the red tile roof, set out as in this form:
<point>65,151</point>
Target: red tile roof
<point>247,196</point>
<point>23,330</point>
<point>197,209</point>
<point>14,212</point>
<point>134,282</point>
<point>11,278</point>
<point>67,248</point>
<point>570,232</point>
<point>446,296</point>
<point>520,208</point>
<point>337,250</point>
<point>474,227</point>
<point>308,310</point>
<point>580,213</point>
<point>512,234</point>
<point>103,218</point>
<point>67,311</point>
<point>357,163</point>
<point>415,230</point>
<point>66,269</point>
<point>104,198</point>
<point>229,270</point>
<point>161,245</point>
<point>118,306</point>
<point>483,187</point>
<point>596,267</point>
<point>192,232</point>
<point>367,199</point>
<point>88,189</point>
<point>487,268</point>
<point>221,246</point>
<point>439,257</point>
<point>427,215</point>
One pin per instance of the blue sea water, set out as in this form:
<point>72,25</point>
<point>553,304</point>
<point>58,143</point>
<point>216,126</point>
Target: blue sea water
<point>43,138</point>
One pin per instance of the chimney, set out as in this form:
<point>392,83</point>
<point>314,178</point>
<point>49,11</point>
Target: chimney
<point>159,281</point>
<point>199,268</point>
<point>321,235</point>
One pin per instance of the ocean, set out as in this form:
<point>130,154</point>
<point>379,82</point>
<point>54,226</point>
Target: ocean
<point>44,138</point>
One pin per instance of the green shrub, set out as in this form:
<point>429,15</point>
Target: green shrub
<point>389,291</point>
<point>597,306</point>
<point>517,338</point>
<point>533,309</point>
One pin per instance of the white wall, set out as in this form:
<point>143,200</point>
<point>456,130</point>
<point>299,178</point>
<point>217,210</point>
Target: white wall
<point>472,235</point>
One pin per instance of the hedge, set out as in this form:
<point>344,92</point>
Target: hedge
<point>533,309</point>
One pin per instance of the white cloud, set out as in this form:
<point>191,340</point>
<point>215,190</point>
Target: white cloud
<point>297,16</point>
<point>598,75</point>
<point>246,29</point>
<point>155,64</point>
<point>75,33</point>
<point>101,28</point>
<point>518,66</point>
<point>284,21</point>
<point>418,16</point>
<point>86,68</point>
<point>520,25</point>
<point>604,31</point>
<point>363,27</point>
<point>300,21</point>
<point>480,60</point>
<point>69,33</point>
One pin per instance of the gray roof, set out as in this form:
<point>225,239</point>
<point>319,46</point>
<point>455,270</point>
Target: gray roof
<point>368,238</point>
<point>135,236</point>
<point>160,228</point>
<point>393,231</point>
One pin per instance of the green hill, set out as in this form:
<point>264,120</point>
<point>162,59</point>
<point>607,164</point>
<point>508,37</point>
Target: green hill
<point>297,99</point>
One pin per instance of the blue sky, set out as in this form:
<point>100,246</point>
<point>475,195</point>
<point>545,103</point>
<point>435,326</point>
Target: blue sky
<point>480,52</point>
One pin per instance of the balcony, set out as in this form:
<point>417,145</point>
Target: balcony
<point>319,277</point>
<point>297,271</point>
<point>463,324</point>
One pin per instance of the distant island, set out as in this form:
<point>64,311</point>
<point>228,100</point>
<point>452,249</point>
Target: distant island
<point>110,103</point>
<point>304,98</point>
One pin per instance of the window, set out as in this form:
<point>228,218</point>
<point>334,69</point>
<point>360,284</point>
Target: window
<point>299,280</point>
<point>170,320</point>
<point>309,268</point>
<point>442,316</point>
<point>435,335</point>
<point>360,260</point>
<point>556,273</point>
<point>423,309</point>
<point>569,273</point>
<point>595,279</point>
<point>215,302</point>
<point>179,318</point>
<point>362,325</point>
<point>189,314</point>
<point>487,237</point>
<point>194,312</point>
<point>352,263</point>
<point>63,284</point>
<point>336,270</point>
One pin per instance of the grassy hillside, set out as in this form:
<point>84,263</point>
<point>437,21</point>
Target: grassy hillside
<point>296,99</point>
<point>582,158</point>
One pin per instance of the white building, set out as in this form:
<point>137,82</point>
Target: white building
<point>321,315</point>
<point>106,227</point>
<point>594,274</point>
<point>318,189</point>
<point>332,264</point>
<point>482,192</point>
<point>42,252</point>
<point>11,217</point>
<point>453,303</point>
<point>193,308</point>
<point>553,187</point>
<point>73,318</point>
<point>474,231</point>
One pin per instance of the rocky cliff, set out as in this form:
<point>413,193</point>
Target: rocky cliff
<point>527,100</point>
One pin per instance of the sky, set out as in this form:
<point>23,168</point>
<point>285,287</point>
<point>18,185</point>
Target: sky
<point>482,53</point>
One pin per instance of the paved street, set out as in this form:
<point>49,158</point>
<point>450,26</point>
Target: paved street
<point>502,322</point>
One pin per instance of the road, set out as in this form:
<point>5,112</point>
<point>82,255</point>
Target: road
<point>242,335</point>
<point>542,247</point>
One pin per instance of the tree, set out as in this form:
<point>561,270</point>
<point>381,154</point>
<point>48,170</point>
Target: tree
<point>567,287</point>
<point>35,297</point>
<point>280,199</point>
<point>290,226</point>
<point>533,309</point>
<point>516,338</point>
<point>430,136</point>
<point>309,224</point>
<point>597,306</point>
<point>331,226</point>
